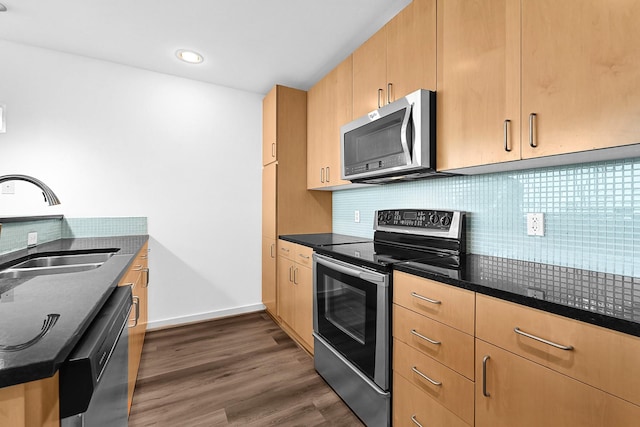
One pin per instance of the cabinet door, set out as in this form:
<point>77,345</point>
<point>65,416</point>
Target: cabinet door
<point>411,49</point>
<point>303,279</point>
<point>269,126</point>
<point>286,291</point>
<point>478,82</point>
<point>329,106</point>
<point>269,184</point>
<point>580,74</point>
<point>525,394</point>
<point>370,74</point>
<point>319,122</point>
<point>269,274</point>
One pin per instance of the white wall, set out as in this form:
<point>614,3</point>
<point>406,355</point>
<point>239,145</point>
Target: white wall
<point>112,140</point>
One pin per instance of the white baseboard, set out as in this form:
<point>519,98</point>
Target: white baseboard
<point>175,321</point>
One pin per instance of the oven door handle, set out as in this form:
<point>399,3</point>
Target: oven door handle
<point>369,277</point>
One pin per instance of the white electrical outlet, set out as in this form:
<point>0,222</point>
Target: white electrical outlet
<point>535,224</point>
<point>356,216</point>
<point>32,238</point>
<point>9,187</point>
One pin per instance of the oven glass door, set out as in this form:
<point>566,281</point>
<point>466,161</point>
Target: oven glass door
<point>347,316</point>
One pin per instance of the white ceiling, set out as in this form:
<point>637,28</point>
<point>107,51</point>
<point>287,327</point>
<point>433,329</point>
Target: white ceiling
<point>247,44</point>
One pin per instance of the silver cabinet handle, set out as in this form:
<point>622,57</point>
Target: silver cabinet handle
<point>295,276</point>
<point>321,174</point>
<point>291,274</point>
<point>432,301</point>
<point>136,302</point>
<point>389,85</point>
<point>415,421</point>
<point>146,284</point>
<point>327,174</point>
<point>506,135</point>
<point>284,249</point>
<point>303,256</point>
<point>379,98</point>
<point>532,123</point>
<point>542,340</point>
<point>144,256</point>
<point>271,250</point>
<point>419,335</point>
<point>273,149</point>
<point>434,382</point>
<point>484,376</point>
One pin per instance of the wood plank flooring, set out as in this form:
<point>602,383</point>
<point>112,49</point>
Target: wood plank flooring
<point>236,371</point>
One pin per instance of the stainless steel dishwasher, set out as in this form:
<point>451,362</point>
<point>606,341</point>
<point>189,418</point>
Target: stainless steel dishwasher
<point>93,380</point>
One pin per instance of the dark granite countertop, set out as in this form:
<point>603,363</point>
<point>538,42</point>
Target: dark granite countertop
<point>77,298</point>
<point>608,300</point>
<point>322,239</point>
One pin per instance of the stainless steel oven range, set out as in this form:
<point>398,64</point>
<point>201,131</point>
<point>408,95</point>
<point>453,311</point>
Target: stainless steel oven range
<point>352,302</point>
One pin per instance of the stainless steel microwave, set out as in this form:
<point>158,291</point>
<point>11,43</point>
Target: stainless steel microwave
<point>397,141</point>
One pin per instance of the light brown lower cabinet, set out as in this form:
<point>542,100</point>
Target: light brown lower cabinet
<point>32,404</point>
<point>295,292</point>
<point>413,407</point>
<point>137,276</point>
<point>513,391</point>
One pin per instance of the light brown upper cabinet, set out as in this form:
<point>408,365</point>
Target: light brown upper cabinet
<point>397,60</point>
<point>534,78</point>
<point>269,127</point>
<point>329,106</point>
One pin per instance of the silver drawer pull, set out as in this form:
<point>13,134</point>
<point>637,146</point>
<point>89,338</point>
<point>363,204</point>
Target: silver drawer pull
<point>434,382</point>
<point>432,301</point>
<point>419,335</point>
<point>137,267</point>
<point>303,256</point>
<point>542,340</point>
<point>415,421</point>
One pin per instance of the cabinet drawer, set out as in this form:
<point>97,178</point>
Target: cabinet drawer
<point>447,304</point>
<point>286,249</point>
<point>410,403</point>
<point>600,357</point>
<point>303,255</point>
<point>454,392</point>
<point>452,347</point>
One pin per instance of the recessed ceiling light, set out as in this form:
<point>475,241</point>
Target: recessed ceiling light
<point>189,56</point>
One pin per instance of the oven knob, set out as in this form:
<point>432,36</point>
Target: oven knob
<point>445,221</point>
<point>380,217</point>
<point>389,216</point>
<point>433,218</point>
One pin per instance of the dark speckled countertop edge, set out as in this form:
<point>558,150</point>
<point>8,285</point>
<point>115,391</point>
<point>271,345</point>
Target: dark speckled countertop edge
<point>597,319</point>
<point>47,367</point>
<point>593,318</point>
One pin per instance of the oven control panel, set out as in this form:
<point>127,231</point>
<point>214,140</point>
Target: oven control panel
<point>419,221</point>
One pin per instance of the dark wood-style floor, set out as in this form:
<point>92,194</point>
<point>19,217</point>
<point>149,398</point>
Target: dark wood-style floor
<point>236,371</point>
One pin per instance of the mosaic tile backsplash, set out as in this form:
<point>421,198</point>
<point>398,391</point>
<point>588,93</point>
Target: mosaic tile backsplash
<point>591,212</point>
<point>13,235</point>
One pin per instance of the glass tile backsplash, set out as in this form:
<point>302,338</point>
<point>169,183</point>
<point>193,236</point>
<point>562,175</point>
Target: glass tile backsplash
<point>591,212</point>
<point>13,235</point>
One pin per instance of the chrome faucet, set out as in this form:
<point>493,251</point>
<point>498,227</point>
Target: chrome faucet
<point>49,195</point>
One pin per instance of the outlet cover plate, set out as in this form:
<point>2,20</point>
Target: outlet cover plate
<point>535,224</point>
<point>356,216</point>
<point>32,238</point>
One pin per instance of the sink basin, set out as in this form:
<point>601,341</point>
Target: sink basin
<point>56,264</point>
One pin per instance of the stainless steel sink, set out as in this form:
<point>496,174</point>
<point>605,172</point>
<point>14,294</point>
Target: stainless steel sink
<point>56,264</point>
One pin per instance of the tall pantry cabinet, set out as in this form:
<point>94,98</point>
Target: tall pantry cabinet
<point>287,206</point>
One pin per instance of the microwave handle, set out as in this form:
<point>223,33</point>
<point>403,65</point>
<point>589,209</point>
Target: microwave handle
<point>403,134</point>
<point>370,277</point>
